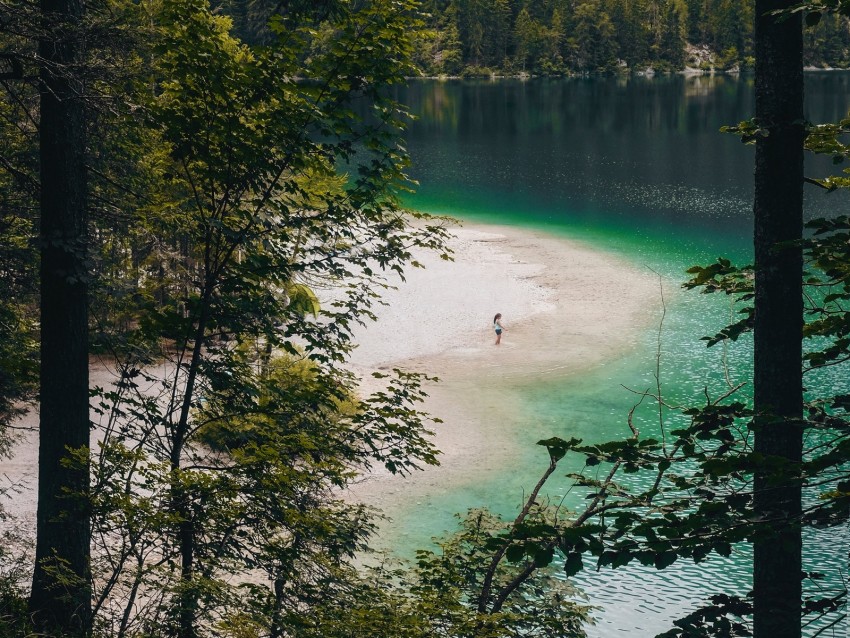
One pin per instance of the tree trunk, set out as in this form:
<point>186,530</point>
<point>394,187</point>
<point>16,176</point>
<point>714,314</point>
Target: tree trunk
<point>276,630</point>
<point>778,318</point>
<point>188,596</point>
<point>61,593</point>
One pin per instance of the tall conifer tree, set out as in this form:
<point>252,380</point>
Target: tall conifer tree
<point>778,391</point>
<point>60,598</point>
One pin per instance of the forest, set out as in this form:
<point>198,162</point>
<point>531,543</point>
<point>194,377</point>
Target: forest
<point>209,199</point>
<point>172,201</point>
<point>567,37</point>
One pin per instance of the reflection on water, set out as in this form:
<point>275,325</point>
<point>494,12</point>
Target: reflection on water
<point>637,166</point>
<point>638,153</point>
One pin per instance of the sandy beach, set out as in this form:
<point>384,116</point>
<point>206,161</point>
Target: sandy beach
<point>566,308</point>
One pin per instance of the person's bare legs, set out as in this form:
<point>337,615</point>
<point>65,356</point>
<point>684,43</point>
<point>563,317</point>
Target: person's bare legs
<point>498,338</point>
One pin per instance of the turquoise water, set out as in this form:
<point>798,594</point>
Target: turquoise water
<point>638,168</point>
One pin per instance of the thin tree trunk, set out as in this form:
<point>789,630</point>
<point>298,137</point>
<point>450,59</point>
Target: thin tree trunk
<point>276,630</point>
<point>188,596</point>
<point>61,593</point>
<point>778,318</point>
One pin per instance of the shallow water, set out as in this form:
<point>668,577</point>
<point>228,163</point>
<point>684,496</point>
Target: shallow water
<point>636,167</point>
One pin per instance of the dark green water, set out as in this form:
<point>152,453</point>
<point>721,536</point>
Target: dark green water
<point>636,167</point>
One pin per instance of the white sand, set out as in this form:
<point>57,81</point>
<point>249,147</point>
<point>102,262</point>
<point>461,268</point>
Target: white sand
<point>566,308</point>
<point>19,474</point>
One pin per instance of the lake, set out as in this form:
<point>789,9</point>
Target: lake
<point>638,167</point>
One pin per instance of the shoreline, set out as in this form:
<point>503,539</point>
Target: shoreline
<point>568,308</point>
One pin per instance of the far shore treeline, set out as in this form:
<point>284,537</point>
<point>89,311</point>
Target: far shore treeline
<point>565,37</point>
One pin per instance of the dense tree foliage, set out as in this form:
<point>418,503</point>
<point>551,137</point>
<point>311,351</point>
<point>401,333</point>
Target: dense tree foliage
<point>557,37</point>
<point>240,184</point>
<point>231,177</point>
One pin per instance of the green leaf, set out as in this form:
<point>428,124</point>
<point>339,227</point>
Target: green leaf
<point>665,559</point>
<point>302,300</point>
<point>573,564</point>
<point>543,556</point>
<point>558,447</point>
<point>515,553</point>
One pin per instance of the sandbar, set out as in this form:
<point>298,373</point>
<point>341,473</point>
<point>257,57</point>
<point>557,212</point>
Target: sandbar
<point>567,307</point>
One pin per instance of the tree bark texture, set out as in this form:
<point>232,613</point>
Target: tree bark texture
<point>60,600</point>
<point>778,208</point>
